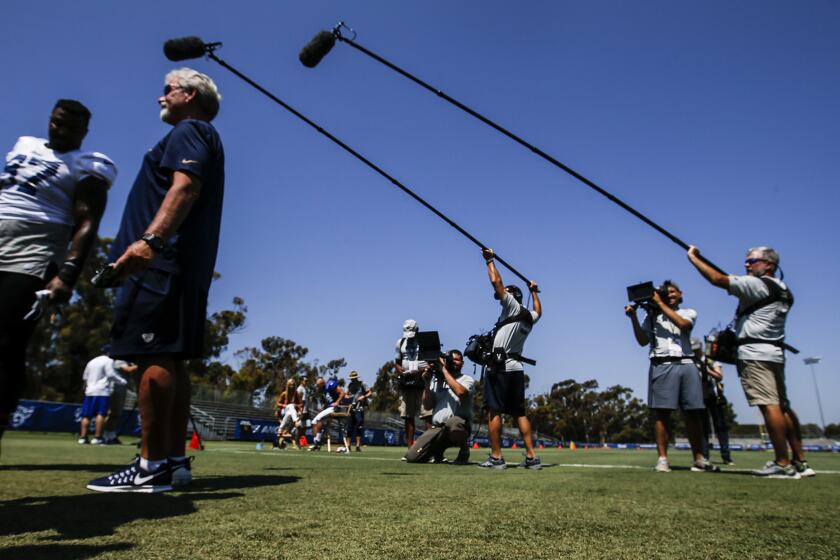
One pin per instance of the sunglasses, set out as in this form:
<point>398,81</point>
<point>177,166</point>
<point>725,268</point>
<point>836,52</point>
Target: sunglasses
<point>169,89</point>
<point>753,261</point>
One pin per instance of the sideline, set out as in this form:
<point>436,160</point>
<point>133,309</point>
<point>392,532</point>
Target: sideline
<point>300,454</point>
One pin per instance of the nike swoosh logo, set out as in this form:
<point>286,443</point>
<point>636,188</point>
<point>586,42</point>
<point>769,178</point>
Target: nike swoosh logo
<point>188,161</point>
<point>140,480</point>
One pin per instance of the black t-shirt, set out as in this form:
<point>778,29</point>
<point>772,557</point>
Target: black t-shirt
<point>194,147</point>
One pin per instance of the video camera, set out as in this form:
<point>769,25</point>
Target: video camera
<point>642,294</point>
<point>429,345</point>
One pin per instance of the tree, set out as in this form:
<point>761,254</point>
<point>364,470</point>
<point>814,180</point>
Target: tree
<point>386,390</point>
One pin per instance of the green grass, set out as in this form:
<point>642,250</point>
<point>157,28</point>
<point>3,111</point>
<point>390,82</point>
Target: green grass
<point>262,504</point>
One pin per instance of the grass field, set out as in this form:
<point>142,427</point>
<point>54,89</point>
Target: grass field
<point>246,503</point>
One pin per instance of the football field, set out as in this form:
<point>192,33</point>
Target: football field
<point>247,503</point>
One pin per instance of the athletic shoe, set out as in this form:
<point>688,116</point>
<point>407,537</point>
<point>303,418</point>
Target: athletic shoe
<point>314,447</point>
<point>774,470</point>
<point>343,450</point>
<point>181,471</point>
<point>113,441</point>
<point>493,463</point>
<point>804,469</point>
<point>134,478</point>
<point>358,449</point>
<point>83,440</point>
<point>404,459</point>
<point>704,466</point>
<point>440,460</point>
<point>662,465</point>
<point>532,463</point>
<point>97,441</point>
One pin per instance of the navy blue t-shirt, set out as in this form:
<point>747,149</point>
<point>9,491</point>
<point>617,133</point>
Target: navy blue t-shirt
<point>193,147</point>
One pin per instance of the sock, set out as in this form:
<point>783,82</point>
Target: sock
<point>151,466</point>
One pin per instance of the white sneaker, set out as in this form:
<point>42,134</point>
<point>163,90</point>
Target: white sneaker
<point>83,440</point>
<point>662,465</point>
<point>97,441</point>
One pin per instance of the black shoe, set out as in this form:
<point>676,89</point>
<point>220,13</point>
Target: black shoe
<point>134,478</point>
<point>532,463</point>
<point>358,449</point>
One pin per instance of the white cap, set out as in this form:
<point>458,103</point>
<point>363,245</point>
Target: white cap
<point>410,328</point>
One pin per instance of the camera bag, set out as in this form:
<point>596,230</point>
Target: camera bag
<point>480,346</point>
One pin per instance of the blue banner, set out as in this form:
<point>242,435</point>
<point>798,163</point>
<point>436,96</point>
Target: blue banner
<point>43,416</point>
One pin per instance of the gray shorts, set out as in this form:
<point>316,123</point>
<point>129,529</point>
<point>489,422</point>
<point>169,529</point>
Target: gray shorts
<point>411,404</point>
<point>763,382</point>
<point>30,247</point>
<point>675,385</point>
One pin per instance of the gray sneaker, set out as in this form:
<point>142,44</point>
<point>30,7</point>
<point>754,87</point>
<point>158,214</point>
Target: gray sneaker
<point>662,465</point>
<point>804,469</point>
<point>774,470</point>
<point>493,463</point>
<point>704,466</point>
<point>532,463</point>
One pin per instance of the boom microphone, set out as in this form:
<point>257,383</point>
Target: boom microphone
<point>184,48</point>
<point>316,49</point>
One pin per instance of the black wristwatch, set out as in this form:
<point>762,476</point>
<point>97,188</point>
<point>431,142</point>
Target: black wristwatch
<point>157,244</point>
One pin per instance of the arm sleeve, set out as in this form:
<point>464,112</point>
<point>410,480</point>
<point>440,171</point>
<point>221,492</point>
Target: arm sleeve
<point>466,382</point>
<point>187,150</point>
<point>94,164</point>
<point>748,289</point>
<point>688,314</point>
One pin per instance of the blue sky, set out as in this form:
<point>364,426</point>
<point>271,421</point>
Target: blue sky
<point>717,119</point>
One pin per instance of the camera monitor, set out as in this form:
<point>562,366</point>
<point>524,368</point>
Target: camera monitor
<point>638,293</point>
<point>429,343</point>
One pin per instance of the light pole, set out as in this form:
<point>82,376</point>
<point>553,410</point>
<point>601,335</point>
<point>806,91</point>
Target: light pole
<point>811,362</point>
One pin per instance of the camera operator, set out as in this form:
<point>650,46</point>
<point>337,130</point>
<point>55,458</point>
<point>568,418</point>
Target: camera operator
<point>673,379</point>
<point>409,371</point>
<point>447,392</point>
<point>504,390</point>
<point>763,305</point>
<point>711,377</point>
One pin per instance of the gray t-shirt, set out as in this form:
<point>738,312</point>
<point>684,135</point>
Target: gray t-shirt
<point>667,340</point>
<point>447,403</point>
<point>511,337</point>
<point>766,323</point>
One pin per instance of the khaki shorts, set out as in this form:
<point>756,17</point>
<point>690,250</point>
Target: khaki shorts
<point>411,404</point>
<point>763,382</point>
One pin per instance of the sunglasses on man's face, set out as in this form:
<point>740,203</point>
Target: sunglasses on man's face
<point>169,89</point>
<point>753,261</point>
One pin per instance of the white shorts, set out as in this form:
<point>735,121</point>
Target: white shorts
<point>323,414</point>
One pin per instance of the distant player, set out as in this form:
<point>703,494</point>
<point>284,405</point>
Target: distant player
<point>331,394</point>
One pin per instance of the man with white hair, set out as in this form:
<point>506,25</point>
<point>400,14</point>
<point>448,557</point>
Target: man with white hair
<point>164,254</point>
<point>763,305</point>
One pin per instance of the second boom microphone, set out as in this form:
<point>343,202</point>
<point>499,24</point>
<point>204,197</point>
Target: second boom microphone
<point>316,49</point>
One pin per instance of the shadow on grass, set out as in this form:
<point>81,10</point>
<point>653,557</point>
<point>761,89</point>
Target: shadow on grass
<point>70,515</point>
<point>63,551</point>
<point>722,472</point>
<point>96,467</point>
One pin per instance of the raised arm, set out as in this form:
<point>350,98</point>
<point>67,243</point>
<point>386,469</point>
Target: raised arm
<point>713,276</point>
<point>493,272</point>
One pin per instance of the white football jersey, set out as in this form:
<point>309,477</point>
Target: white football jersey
<point>38,184</point>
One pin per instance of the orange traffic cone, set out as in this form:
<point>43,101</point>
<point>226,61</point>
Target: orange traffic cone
<point>194,443</point>
<point>475,445</point>
<point>559,446</point>
<point>541,446</point>
<point>303,441</point>
<point>514,446</point>
<point>572,445</point>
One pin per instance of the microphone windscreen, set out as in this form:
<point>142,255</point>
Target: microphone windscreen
<point>184,48</point>
<point>316,49</point>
